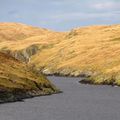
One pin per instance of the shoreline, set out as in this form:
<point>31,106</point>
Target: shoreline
<point>84,79</point>
<point>21,98</point>
<point>28,95</point>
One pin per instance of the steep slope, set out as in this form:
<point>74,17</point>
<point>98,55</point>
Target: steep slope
<point>17,81</point>
<point>90,51</point>
<point>23,41</point>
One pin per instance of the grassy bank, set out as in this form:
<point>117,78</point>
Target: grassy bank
<point>91,51</point>
<point>17,81</point>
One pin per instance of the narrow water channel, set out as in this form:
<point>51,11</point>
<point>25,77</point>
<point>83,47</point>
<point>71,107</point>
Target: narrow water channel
<point>77,102</point>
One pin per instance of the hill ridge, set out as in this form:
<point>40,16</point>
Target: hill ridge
<point>91,51</point>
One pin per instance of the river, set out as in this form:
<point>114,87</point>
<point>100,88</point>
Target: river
<point>77,102</point>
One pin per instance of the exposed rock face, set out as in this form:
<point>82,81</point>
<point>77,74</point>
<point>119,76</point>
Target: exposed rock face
<point>47,71</point>
<point>66,72</point>
<point>20,94</point>
<point>24,54</point>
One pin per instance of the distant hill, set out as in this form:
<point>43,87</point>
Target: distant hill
<point>17,81</point>
<point>91,51</point>
<point>18,31</point>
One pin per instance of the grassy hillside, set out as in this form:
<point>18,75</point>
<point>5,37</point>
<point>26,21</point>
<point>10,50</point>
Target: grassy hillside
<point>17,81</point>
<point>18,31</point>
<point>91,51</point>
<point>22,41</point>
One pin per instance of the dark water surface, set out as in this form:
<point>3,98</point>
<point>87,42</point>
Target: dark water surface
<point>78,102</point>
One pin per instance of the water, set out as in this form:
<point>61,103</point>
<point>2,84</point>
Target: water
<point>78,102</point>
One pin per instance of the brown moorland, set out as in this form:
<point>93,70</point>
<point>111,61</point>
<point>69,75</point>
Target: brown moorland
<point>17,81</point>
<point>91,51</point>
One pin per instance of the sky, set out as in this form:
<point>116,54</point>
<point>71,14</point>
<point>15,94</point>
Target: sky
<point>60,15</point>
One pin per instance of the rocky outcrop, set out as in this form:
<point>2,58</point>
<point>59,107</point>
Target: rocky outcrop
<point>17,94</point>
<point>66,72</point>
<point>24,54</point>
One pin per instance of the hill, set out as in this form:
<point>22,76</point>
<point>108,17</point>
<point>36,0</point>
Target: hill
<point>91,51</point>
<point>23,41</point>
<point>17,81</point>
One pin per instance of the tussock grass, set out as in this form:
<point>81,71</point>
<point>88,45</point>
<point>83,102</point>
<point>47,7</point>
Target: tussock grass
<point>90,50</point>
<point>18,81</point>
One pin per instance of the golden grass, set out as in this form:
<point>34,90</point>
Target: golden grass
<point>93,49</point>
<point>16,75</point>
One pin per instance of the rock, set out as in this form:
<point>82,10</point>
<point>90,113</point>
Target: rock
<point>24,54</point>
<point>47,71</point>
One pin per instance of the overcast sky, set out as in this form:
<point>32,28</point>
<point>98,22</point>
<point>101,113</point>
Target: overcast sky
<point>60,15</point>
